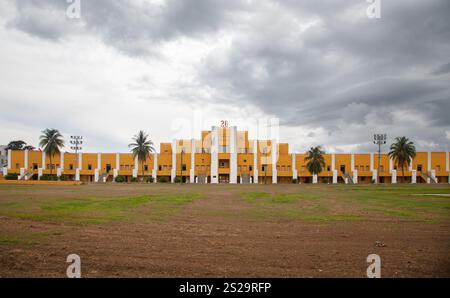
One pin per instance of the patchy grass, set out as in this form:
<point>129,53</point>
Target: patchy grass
<point>292,206</point>
<point>350,203</point>
<point>93,210</point>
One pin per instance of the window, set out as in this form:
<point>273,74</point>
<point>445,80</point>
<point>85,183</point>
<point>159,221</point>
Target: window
<point>71,167</point>
<point>35,166</point>
<point>17,165</point>
<point>146,168</point>
<point>381,168</point>
<point>419,168</point>
<point>245,160</point>
<point>250,168</point>
<point>328,168</point>
<point>89,167</point>
<point>438,168</point>
<point>367,168</point>
<point>263,168</point>
<point>159,168</point>
<point>183,167</point>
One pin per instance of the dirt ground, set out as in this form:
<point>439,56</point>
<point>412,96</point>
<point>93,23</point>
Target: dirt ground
<point>215,237</point>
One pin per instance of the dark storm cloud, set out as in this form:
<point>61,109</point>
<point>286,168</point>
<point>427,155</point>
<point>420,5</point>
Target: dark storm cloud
<point>342,71</point>
<point>443,69</point>
<point>130,26</point>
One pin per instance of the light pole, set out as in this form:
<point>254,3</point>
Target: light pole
<point>379,139</point>
<point>76,142</point>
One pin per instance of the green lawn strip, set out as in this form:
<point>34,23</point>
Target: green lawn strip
<point>294,206</point>
<point>96,210</point>
<point>163,207</point>
<point>402,204</point>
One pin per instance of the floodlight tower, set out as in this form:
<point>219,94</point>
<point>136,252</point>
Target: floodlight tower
<point>76,142</point>
<point>379,139</point>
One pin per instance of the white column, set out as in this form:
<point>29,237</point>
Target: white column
<point>233,155</point>
<point>375,176</point>
<point>215,155</point>
<point>9,159</point>
<point>192,172</point>
<point>116,170</point>
<point>371,162</point>
<point>352,162</point>
<point>274,154</point>
<point>335,177</point>
<point>77,175</point>
<point>155,167</point>
<point>314,178</point>
<point>22,173</point>
<point>136,167</point>
<point>174,161</point>
<point>80,161</point>
<point>58,172</point>
<point>355,176</point>
<point>394,176</point>
<point>25,159</point>
<point>294,169</point>
<point>255,162</point>
<point>5,171</point>
<point>410,165</point>
<point>333,162</point>
<point>40,173</point>
<point>43,160</point>
<point>99,162</point>
<point>429,161</point>
<point>61,162</point>
<point>391,164</point>
<point>96,175</point>
<point>413,176</point>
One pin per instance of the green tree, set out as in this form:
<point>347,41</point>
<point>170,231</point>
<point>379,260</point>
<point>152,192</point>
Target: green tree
<point>315,160</point>
<point>402,151</point>
<point>142,147</point>
<point>51,142</point>
<point>16,145</point>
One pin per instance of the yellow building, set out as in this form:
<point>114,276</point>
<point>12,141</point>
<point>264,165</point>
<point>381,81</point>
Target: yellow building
<point>226,155</point>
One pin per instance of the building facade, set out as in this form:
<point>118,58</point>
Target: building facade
<point>226,155</point>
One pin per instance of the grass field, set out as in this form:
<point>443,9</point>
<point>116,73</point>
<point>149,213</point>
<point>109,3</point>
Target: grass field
<point>225,230</point>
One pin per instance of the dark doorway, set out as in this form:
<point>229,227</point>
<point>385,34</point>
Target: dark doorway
<point>108,168</point>
<point>342,168</point>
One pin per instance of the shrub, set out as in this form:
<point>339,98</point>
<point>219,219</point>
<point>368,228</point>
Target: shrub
<point>177,180</point>
<point>120,179</point>
<point>149,180</point>
<point>12,176</point>
<point>63,178</point>
<point>294,181</point>
<point>134,179</point>
<point>163,179</point>
<point>49,178</point>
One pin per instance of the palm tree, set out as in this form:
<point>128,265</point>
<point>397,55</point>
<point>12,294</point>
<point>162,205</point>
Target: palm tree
<point>51,141</point>
<point>402,151</point>
<point>315,159</point>
<point>142,147</point>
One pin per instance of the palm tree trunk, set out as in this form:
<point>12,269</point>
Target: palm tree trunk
<point>403,174</point>
<point>51,167</point>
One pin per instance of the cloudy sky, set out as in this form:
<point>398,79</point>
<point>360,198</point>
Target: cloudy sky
<point>329,73</point>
